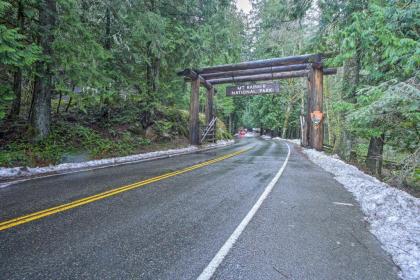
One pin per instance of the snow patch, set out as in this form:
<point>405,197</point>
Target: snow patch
<point>266,137</point>
<point>219,143</point>
<point>293,141</point>
<point>30,171</point>
<point>394,215</point>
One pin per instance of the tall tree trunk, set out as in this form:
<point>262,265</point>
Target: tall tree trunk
<point>374,157</point>
<point>153,65</point>
<point>84,11</point>
<point>69,104</point>
<point>152,70</point>
<point>286,120</point>
<point>329,124</point>
<point>31,107</point>
<point>107,44</point>
<point>303,123</point>
<point>230,123</point>
<point>41,112</point>
<point>344,144</point>
<point>17,76</point>
<point>59,102</point>
<point>17,89</point>
<point>152,77</point>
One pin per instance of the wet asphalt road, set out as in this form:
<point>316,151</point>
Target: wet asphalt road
<point>171,229</point>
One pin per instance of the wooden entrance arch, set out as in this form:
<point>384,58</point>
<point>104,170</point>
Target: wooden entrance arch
<point>308,65</point>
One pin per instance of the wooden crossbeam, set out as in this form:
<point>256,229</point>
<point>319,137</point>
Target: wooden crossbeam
<point>261,77</point>
<point>266,77</point>
<point>265,70</point>
<point>192,75</point>
<point>289,60</point>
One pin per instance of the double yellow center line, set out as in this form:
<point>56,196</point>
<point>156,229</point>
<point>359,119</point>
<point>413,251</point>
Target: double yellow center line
<point>60,208</point>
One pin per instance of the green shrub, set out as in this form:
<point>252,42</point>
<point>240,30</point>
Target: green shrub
<point>67,138</point>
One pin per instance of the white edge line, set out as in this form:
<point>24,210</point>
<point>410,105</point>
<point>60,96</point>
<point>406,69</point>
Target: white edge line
<point>6,184</point>
<point>342,203</point>
<point>221,254</point>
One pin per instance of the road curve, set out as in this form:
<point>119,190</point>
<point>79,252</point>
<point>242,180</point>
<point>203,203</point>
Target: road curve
<point>172,228</point>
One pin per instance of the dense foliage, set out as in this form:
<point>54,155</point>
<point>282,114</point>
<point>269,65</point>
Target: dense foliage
<point>105,66</point>
<point>372,105</point>
<point>108,68</point>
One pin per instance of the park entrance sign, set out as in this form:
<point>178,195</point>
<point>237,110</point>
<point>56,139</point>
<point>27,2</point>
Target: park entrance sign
<point>253,89</point>
<point>307,66</point>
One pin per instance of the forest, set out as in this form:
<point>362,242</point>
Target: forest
<point>98,78</point>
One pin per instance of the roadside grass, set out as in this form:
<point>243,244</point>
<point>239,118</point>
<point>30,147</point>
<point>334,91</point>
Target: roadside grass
<point>67,139</point>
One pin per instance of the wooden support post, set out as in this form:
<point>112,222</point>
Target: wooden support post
<point>303,130</point>
<point>317,115</point>
<point>194,110</point>
<point>209,105</point>
<point>303,123</point>
<point>307,135</point>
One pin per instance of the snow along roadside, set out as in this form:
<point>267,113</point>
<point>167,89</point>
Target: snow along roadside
<point>22,172</point>
<point>393,215</point>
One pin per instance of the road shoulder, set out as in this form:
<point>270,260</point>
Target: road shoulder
<point>310,227</point>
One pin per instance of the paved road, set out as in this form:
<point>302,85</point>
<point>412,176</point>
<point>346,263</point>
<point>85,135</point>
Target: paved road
<point>172,228</point>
